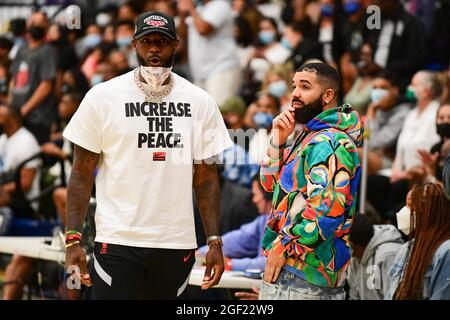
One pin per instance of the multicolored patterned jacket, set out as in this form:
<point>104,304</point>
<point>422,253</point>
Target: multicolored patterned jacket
<point>315,197</point>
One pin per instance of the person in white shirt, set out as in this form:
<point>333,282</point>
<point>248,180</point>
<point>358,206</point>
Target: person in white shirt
<point>151,134</point>
<point>419,129</point>
<point>388,194</point>
<point>17,145</point>
<point>212,49</point>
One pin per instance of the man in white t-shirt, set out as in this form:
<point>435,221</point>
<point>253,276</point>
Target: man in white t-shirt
<point>17,145</point>
<point>150,133</point>
<point>212,50</point>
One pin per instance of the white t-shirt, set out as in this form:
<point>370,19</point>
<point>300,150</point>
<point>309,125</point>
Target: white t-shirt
<point>217,51</point>
<point>16,149</point>
<point>145,170</point>
<point>418,132</point>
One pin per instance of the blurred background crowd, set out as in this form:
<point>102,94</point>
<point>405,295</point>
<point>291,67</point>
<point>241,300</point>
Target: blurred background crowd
<point>394,66</point>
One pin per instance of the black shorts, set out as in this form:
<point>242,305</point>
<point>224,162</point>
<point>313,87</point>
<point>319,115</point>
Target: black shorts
<point>123,272</point>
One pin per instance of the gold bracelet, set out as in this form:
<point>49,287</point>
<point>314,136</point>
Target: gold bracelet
<point>72,244</point>
<point>215,241</point>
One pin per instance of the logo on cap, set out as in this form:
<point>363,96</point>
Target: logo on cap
<point>155,21</point>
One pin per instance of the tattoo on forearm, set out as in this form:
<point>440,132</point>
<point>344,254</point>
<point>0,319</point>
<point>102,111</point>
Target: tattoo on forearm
<point>207,193</point>
<point>80,187</point>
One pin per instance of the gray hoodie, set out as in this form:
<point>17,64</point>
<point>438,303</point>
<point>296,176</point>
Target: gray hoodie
<point>368,278</point>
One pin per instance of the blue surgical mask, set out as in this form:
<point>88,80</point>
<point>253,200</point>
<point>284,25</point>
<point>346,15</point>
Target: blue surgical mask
<point>124,42</point>
<point>96,79</point>
<point>92,40</point>
<point>327,10</point>
<point>278,88</point>
<point>285,43</point>
<point>377,94</point>
<point>352,7</point>
<point>263,120</point>
<point>266,37</point>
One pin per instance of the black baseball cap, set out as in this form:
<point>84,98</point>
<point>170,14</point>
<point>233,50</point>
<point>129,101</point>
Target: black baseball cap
<point>155,21</point>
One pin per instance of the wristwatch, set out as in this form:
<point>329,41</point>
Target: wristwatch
<point>214,239</point>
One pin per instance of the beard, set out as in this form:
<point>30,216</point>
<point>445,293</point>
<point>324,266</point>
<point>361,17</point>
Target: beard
<point>308,111</point>
<point>167,63</point>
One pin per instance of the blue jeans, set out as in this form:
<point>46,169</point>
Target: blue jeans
<point>290,287</point>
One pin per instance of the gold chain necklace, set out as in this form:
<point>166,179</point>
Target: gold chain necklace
<point>153,96</point>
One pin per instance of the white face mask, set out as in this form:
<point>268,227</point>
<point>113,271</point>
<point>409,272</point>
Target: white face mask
<point>404,220</point>
<point>155,76</point>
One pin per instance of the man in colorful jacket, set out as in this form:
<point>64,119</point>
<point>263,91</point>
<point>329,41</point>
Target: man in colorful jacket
<point>315,184</point>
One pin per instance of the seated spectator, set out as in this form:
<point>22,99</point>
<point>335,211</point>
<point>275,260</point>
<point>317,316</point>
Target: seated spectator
<point>242,247</point>
<point>419,129</point>
<point>119,62</point>
<point>61,148</point>
<point>399,46</point>
<point>373,251</point>
<point>446,176</point>
<point>123,31</point>
<point>418,132</point>
<point>260,115</point>
<point>355,33</point>
<point>384,120</point>
<point>331,35</point>
<point>236,208</point>
<point>16,145</point>
<point>359,94</point>
<point>277,83</point>
<point>74,80</point>
<point>5,47</point>
<point>233,111</point>
<point>421,269</point>
<point>301,38</point>
<point>430,170</point>
<point>4,78</point>
<point>268,45</point>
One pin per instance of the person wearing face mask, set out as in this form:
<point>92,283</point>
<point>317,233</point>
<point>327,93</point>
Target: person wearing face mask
<point>431,168</point>
<point>123,32</point>
<point>419,130</point>
<point>259,116</point>
<point>89,41</point>
<point>315,183</point>
<point>359,94</point>
<point>33,79</point>
<point>355,34</point>
<point>387,190</point>
<point>154,130</point>
<point>373,251</point>
<point>384,120</point>
<point>269,47</point>
<point>421,269</point>
<point>277,84</point>
<point>331,35</point>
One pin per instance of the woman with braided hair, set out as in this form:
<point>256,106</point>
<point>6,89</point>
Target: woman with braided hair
<point>421,269</point>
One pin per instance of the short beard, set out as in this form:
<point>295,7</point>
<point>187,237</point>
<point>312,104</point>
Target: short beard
<point>308,111</point>
<point>164,63</point>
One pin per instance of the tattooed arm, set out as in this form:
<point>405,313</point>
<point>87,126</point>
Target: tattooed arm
<point>78,195</point>
<point>207,193</point>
